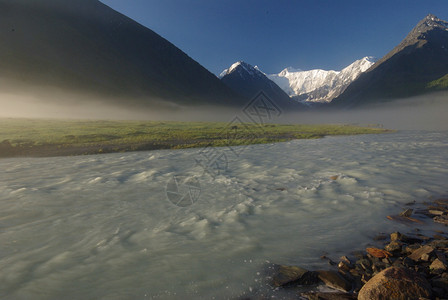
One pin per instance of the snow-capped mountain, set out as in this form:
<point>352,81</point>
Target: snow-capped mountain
<point>248,81</point>
<point>319,85</point>
<point>418,65</point>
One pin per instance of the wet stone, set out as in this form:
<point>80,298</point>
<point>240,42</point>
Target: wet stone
<point>334,280</point>
<point>407,212</point>
<point>441,219</point>
<point>292,275</point>
<point>394,246</point>
<point>417,254</point>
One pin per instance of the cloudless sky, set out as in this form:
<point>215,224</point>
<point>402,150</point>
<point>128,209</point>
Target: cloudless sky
<point>275,34</point>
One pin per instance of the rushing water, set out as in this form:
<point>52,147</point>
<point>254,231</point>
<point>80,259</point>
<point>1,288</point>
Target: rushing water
<point>103,227</point>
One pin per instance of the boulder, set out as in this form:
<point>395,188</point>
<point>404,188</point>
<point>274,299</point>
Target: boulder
<point>396,283</point>
<point>334,280</point>
<point>292,275</point>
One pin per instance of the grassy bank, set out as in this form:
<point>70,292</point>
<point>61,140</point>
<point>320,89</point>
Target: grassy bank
<point>37,137</point>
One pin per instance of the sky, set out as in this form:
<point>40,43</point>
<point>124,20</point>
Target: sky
<point>303,34</point>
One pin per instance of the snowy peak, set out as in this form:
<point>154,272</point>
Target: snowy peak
<point>431,22</point>
<point>242,69</point>
<point>248,81</point>
<point>320,85</point>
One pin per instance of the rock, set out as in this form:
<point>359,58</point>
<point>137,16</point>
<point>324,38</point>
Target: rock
<point>396,283</point>
<point>441,219</point>
<point>440,283</point>
<point>437,266</point>
<point>417,254</point>
<point>343,266</point>
<point>345,259</point>
<point>394,246</point>
<point>327,296</point>
<point>407,262</point>
<point>364,263</point>
<point>425,257</point>
<point>441,201</point>
<point>406,212</point>
<point>396,236</point>
<point>378,252</point>
<point>411,248</point>
<point>439,243</point>
<point>292,275</point>
<point>334,280</point>
<point>403,219</point>
<point>334,177</point>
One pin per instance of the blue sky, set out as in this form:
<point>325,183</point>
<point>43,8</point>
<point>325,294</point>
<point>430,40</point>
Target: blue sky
<point>274,34</point>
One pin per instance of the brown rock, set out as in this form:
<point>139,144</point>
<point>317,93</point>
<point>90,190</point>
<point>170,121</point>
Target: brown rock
<point>396,283</point>
<point>441,219</point>
<point>394,246</point>
<point>417,254</point>
<point>290,275</point>
<point>379,253</point>
<point>437,266</point>
<point>396,236</point>
<point>435,212</point>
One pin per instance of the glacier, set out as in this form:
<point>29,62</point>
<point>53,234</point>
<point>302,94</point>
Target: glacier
<point>320,85</point>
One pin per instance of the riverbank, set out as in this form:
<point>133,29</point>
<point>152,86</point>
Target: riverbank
<point>396,266</point>
<point>46,138</point>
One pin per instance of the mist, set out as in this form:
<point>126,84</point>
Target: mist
<point>426,112</point>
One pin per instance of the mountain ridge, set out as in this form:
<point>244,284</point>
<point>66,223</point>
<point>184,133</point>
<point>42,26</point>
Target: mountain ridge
<point>320,85</point>
<point>407,70</point>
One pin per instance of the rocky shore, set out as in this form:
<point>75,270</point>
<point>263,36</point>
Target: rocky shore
<point>406,266</point>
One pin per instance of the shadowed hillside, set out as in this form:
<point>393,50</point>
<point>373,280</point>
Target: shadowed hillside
<point>85,46</point>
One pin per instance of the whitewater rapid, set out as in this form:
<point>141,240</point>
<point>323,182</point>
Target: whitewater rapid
<point>106,227</point>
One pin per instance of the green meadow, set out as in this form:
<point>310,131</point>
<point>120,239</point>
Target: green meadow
<point>39,137</point>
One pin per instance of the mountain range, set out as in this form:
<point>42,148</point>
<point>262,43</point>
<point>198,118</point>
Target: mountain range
<point>86,48</point>
<point>320,85</point>
<point>296,86</point>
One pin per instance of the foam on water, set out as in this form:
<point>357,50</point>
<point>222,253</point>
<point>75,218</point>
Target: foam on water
<point>102,226</point>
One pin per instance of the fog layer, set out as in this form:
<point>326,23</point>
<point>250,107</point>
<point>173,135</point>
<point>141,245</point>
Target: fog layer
<point>418,113</point>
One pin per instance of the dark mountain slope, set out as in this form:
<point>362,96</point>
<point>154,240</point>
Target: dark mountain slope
<point>85,46</point>
<point>419,59</point>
